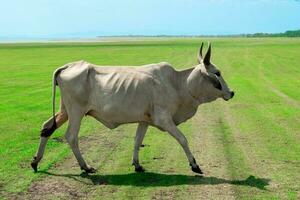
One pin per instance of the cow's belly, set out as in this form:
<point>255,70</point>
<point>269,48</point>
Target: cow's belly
<point>113,117</point>
<point>113,110</point>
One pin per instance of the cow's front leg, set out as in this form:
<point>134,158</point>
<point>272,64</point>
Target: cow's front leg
<point>72,138</point>
<point>140,134</point>
<point>172,129</point>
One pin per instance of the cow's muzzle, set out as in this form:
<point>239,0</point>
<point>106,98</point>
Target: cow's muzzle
<point>228,96</point>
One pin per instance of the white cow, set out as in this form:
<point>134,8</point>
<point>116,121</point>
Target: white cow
<point>154,94</point>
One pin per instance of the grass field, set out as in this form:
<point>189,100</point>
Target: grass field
<point>249,147</point>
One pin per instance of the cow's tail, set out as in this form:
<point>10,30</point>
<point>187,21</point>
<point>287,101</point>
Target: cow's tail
<point>55,74</point>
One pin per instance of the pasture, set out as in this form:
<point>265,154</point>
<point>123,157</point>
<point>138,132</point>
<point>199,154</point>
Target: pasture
<point>248,147</point>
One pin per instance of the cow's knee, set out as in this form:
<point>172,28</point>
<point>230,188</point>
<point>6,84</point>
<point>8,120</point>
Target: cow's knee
<point>48,128</point>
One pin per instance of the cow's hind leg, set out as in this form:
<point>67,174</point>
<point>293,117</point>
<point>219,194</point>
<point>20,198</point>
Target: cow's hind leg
<point>48,128</point>
<point>140,134</point>
<point>72,138</point>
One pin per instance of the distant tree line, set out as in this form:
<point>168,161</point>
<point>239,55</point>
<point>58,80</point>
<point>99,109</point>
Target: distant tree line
<point>295,33</point>
<point>291,33</point>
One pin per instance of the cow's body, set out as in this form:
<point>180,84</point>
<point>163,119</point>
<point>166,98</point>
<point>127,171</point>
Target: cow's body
<point>118,95</point>
<point>154,94</point>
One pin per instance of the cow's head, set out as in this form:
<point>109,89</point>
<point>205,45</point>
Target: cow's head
<point>206,80</point>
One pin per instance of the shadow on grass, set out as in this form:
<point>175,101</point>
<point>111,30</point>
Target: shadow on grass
<point>155,179</point>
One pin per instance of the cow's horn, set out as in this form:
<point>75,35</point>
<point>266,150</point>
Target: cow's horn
<point>200,54</point>
<point>207,56</point>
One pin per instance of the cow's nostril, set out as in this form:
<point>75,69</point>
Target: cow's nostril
<point>232,94</point>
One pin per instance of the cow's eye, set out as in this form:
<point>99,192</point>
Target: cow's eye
<point>218,73</point>
<point>218,85</point>
<point>216,82</point>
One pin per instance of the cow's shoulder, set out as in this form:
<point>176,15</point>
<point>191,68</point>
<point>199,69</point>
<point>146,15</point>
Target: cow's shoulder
<point>164,66</point>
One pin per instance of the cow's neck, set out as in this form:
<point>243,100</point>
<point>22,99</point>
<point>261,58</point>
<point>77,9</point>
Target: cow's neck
<point>185,96</point>
<point>195,85</point>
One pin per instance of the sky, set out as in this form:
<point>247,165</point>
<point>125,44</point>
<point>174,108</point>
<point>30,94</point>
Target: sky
<point>90,18</point>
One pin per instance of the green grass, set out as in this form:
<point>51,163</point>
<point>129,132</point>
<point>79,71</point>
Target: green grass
<point>255,136</point>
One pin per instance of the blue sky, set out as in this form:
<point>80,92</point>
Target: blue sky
<point>89,18</point>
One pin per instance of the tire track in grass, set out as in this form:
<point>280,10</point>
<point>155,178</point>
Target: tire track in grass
<point>211,156</point>
<point>258,147</point>
<point>271,149</point>
<point>290,102</point>
<point>250,161</point>
<point>271,86</point>
<point>224,158</point>
<point>261,157</point>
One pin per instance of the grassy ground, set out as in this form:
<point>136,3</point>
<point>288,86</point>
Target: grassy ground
<point>248,147</point>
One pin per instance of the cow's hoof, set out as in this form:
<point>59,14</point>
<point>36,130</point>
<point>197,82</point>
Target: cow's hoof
<point>197,170</point>
<point>139,169</point>
<point>34,166</point>
<point>89,170</point>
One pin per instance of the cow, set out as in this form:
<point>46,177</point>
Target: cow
<point>150,95</point>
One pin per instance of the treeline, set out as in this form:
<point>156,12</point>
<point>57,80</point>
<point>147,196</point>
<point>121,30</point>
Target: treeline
<point>292,33</point>
<point>295,33</point>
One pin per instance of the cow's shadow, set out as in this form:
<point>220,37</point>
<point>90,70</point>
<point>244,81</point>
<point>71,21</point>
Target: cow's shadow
<point>156,179</point>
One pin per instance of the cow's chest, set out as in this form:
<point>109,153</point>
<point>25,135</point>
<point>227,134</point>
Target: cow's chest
<point>184,112</point>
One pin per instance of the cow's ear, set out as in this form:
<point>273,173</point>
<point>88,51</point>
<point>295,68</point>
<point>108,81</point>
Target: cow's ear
<point>200,58</point>
<point>207,56</point>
